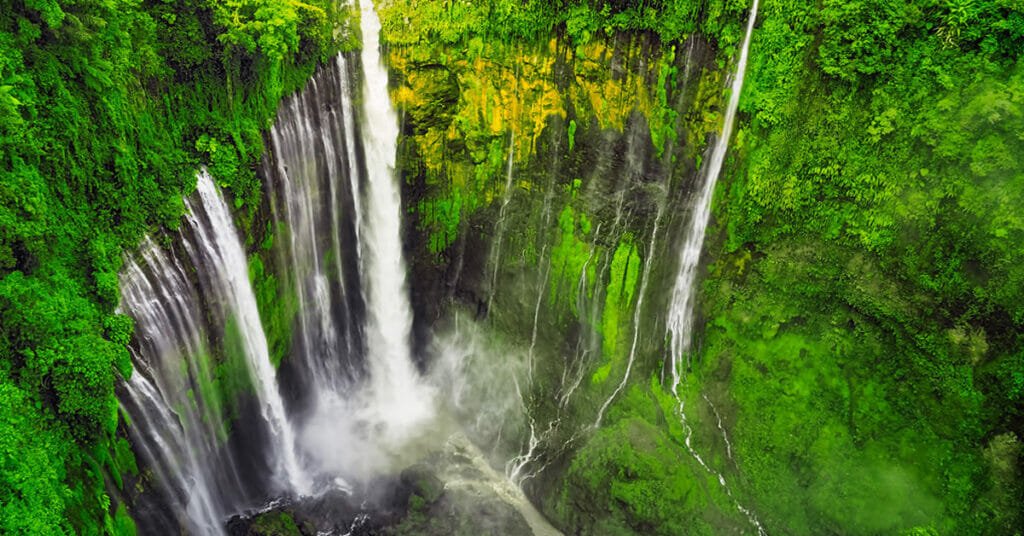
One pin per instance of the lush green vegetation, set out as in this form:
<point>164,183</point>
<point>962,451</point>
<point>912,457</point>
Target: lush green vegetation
<point>863,305</point>
<point>868,302</point>
<point>581,20</point>
<point>107,108</point>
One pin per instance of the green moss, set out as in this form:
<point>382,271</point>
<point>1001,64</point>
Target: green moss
<point>122,524</point>
<point>278,305</point>
<point>442,218</point>
<point>121,461</point>
<point>619,295</point>
<point>662,117</point>
<point>231,372</point>
<point>569,258</point>
<point>630,478</point>
<point>838,397</point>
<point>274,524</point>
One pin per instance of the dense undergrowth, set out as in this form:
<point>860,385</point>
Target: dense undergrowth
<point>107,108</point>
<point>867,292</point>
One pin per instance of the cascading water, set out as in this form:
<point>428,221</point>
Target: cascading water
<point>495,260</point>
<point>336,217</point>
<point>179,414</point>
<point>681,309</point>
<point>363,405</point>
<point>374,420</point>
<point>180,444</point>
<point>313,148</point>
<point>680,314</point>
<point>637,312</point>
<point>400,398</point>
<point>218,246</point>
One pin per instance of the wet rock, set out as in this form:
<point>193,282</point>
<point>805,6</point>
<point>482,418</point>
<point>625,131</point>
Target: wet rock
<point>443,495</point>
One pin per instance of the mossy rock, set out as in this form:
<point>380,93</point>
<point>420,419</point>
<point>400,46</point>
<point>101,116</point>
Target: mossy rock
<point>274,524</point>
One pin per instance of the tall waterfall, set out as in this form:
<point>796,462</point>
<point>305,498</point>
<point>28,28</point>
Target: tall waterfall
<point>681,308</point>
<point>680,314</point>
<point>171,395</point>
<point>336,203</point>
<point>312,151</point>
<point>358,431</point>
<point>181,446</point>
<point>220,248</point>
<point>398,396</point>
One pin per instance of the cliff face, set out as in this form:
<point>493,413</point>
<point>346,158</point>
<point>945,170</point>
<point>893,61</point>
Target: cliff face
<point>854,363</point>
<point>847,373</point>
<point>549,188</point>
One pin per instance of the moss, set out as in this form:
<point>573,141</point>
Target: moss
<point>601,374</point>
<point>228,380</point>
<point>630,478</point>
<point>619,295</point>
<point>124,458</point>
<point>278,305</point>
<point>122,524</point>
<point>853,445</point>
<point>443,217</point>
<point>569,258</point>
<point>468,113</point>
<point>274,524</point>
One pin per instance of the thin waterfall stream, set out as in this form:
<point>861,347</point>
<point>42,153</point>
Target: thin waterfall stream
<point>680,315</point>
<point>680,324</point>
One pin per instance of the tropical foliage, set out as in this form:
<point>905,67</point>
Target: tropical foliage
<point>107,108</point>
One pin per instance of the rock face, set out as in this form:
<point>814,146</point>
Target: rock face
<point>549,189</point>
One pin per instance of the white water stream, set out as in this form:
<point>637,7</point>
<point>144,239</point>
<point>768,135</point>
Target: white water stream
<point>681,311</point>
<point>222,250</point>
<point>680,314</point>
<point>401,400</point>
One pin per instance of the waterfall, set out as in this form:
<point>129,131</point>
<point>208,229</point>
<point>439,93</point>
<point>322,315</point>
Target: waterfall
<point>220,248</point>
<point>177,410</point>
<point>358,429</point>
<point>209,410</point>
<point>681,309</point>
<point>336,206</point>
<point>355,405</point>
<point>180,445</point>
<point>680,314</point>
<point>399,398</point>
<point>312,148</point>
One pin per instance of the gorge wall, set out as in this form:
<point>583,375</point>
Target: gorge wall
<point>551,184</point>
<point>549,194</point>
